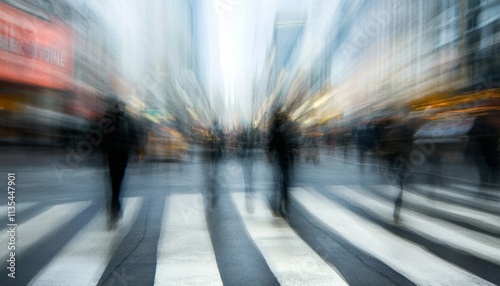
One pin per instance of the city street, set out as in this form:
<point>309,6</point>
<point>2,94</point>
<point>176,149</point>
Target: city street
<point>339,229</point>
<point>229,142</point>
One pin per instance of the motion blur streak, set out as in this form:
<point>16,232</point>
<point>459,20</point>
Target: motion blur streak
<point>292,93</point>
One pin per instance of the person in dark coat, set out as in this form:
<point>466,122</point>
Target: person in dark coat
<point>280,152</point>
<point>365,139</point>
<point>396,143</point>
<point>213,151</point>
<point>119,143</point>
<point>401,145</point>
<point>484,137</point>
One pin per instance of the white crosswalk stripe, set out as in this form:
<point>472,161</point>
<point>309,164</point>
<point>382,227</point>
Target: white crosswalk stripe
<point>37,228</point>
<point>412,261</point>
<point>473,191</point>
<point>487,221</point>
<point>185,252</point>
<point>18,207</point>
<point>469,198</point>
<point>89,251</point>
<point>292,261</point>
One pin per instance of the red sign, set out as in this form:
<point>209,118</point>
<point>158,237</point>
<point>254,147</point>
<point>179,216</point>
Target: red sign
<point>34,51</point>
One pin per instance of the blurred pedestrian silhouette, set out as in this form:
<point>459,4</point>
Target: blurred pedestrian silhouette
<point>397,144</point>
<point>365,139</point>
<point>311,145</point>
<point>246,139</point>
<point>119,143</point>
<point>213,151</point>
<point>280,153</point>
<point>483,140</point>
<point>330,142</point>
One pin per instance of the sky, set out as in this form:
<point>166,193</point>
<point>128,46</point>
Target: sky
<point>245,31</point>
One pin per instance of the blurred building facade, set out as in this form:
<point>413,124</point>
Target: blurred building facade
<point>383,55</point>
<point>87,55</point>
<point>96,73</point>
<point>57,64</point>
<point>482,43</point>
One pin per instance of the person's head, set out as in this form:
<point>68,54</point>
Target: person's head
<point>115,105</point>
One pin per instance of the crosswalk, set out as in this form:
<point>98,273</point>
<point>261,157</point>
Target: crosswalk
<point>288,256</point>
<point>88,252</point>
<point>186,256</point>
<point>438,242</point>
<point>42,225</point>
<point>407,258</point>
<point>477,244</point>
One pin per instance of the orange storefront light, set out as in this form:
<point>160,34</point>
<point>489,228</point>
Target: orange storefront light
<point>34,51</point>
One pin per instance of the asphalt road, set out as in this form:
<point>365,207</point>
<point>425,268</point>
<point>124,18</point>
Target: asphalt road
<point>339,228</point>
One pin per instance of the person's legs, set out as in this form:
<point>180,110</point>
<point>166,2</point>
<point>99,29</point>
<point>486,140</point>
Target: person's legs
<point>212,181</point>
<point>117,167</point>
<point>117,175</point>
<point>285,181</point>
<point>399,200</point>
<point>247,173</point>
<point>275,200</point>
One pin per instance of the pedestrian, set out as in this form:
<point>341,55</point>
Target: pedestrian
<point>364,137</point>
<point>397,140</point>
<point>213,151</point>
<point>245,153</point>
<point>330,141</point>
<point>119,143</point>
<point>311,146</point>
<point>484,137</point>
<point>280,153</point>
